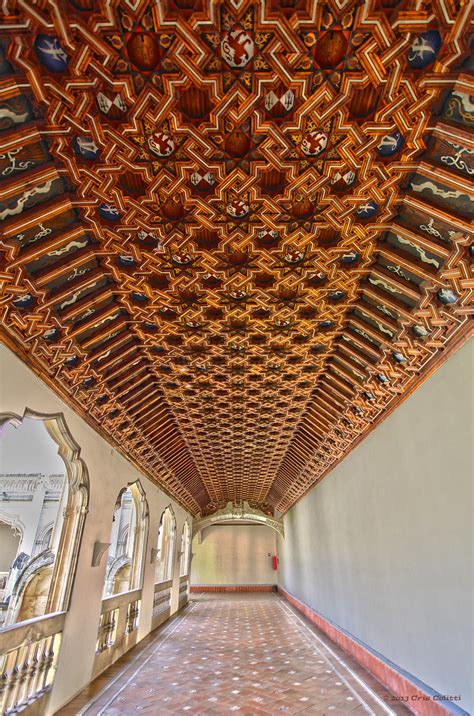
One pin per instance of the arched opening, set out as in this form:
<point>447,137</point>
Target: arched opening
<point>165,547</point>
<point>127,542</point>
<point>43,503</point>
<point>185,547</point>
<point>122,595</point>
<point>44,539</point>
<point>164,567</point>
<point>10,540</point>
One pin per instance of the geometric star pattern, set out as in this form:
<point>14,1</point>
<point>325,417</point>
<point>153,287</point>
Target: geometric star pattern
<point>244,654</point>
<point>235,235</point>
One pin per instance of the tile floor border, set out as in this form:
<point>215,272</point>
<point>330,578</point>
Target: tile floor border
<point>340,662</point>
<point>419,701</point>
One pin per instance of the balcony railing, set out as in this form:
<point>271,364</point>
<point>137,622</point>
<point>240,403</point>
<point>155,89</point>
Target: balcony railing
<point>29,654</point>
<point>161,603</point>
<point>183,591</point>
<point>118,626</point>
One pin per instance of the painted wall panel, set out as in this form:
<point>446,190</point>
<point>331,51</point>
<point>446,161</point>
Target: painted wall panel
<point>383,546</point>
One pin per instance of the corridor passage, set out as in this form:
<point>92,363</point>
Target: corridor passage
<point>245,653</point>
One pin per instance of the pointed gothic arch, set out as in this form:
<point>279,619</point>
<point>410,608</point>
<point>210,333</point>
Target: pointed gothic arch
<point>58,570</point>
<point>126,565</point>
<point>185,550</point>
<point>166,546</point>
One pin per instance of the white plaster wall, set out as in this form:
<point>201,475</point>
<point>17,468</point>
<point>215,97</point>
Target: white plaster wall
<point>108,473</point>
<point>233,554</point>
<point>383,546</point>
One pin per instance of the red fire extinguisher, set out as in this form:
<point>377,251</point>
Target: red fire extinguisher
<point>275,562</point>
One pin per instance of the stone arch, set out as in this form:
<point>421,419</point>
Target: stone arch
<point>118,574</point>
<point>185,549</point>
<point>233,513</point>
<point>123,537</point>
<point>141,533</point>
<point>64,568</point>
<point>172,513</point>
<point>31,591</point>
<point>45,533</point>
<point>135,558</point>
<point>174,535</point>
<point>166,546</point>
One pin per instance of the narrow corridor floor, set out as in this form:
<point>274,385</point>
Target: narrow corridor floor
<point>247,654</point>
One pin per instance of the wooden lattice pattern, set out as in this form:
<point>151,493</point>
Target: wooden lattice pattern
<point>235,234</point>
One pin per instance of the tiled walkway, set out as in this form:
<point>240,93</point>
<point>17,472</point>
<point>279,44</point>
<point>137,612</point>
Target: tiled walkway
<point>249,654</point>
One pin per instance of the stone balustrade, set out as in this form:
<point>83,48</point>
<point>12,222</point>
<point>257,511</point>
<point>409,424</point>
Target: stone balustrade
<point>183,591</point>
<point>161,603</point>
<point>118,627</point>
<point>28,662</point>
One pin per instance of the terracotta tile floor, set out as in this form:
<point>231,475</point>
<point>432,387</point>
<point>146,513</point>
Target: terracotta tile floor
<point>243,653</point>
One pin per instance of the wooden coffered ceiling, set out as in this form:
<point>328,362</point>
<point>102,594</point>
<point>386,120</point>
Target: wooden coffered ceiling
<point>235,234</point>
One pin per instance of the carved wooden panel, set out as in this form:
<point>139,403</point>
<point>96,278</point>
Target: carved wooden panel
<point>235,233</point>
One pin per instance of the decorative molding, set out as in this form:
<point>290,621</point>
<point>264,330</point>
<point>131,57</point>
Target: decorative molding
<point>14,521</point>
<point>28,483</point>
<point>75,510</point>
<point>239,513</point>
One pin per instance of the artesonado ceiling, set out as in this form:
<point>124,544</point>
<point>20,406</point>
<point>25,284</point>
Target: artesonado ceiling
<point>235,234</point>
